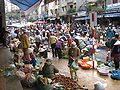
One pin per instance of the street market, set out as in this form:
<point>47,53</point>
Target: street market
<point>59,54</point>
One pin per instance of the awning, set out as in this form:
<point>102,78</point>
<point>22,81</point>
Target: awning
<point>26,5</point>
<point>81,13</point>
<point>115,14</point>
<point>112,14</point>
<point>82,18</point>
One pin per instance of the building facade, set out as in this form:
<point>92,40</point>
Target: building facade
<point>65,8</point>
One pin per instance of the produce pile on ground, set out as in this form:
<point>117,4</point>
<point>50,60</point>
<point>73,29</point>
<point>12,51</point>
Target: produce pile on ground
<point>68,83</point>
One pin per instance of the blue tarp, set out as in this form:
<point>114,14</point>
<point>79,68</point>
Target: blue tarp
<point>25,4</point>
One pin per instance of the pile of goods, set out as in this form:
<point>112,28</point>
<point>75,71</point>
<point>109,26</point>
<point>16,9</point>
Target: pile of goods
<point>83,64</point>
<point>87,63</point>
<point>67,83</point>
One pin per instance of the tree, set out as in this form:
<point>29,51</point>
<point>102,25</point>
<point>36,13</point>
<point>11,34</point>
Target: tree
<point>95,6</point>
<point>71,10</point>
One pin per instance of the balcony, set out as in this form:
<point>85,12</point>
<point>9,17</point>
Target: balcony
<point>70,1</point>
<point>91,0</point>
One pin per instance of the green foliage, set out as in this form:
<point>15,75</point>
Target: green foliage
<point>93,7</point>
<point>71,10</point>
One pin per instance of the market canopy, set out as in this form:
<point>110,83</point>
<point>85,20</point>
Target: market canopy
<point>26,5</point>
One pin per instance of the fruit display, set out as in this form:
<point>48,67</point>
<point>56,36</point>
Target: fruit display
<point>67,83</point>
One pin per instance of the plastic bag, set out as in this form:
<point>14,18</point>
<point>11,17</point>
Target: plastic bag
<point>115,74</point>
<point>20,74</point>
<point>75,65</point>
<point>99,86</point>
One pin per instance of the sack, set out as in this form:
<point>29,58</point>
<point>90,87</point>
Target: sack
<point>74,65</point>
<point>30,80</point>
<point>100,86</point>
<point>115,74</point>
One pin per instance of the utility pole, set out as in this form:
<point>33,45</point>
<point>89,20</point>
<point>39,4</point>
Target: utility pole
<point>2,15</point>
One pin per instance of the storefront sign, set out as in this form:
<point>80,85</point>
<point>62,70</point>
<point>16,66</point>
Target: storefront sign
<point>81,13</point>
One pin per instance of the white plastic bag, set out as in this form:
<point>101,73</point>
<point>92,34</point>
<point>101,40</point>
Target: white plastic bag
<point>75,65</point>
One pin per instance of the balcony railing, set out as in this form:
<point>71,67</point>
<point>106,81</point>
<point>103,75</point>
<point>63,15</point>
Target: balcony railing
<point>69,1</point>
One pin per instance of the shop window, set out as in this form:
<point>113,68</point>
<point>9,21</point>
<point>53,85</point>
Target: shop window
<point>115,1</point>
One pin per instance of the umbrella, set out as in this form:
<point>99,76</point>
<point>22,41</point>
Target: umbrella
<point>40,22</point>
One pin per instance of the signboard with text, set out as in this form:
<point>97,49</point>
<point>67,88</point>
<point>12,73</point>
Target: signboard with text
<point>93,19</point>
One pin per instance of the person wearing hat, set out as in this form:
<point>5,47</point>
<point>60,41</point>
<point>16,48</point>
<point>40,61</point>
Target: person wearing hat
<point>74,54</point>
<point>24,39</point>
<point>69,40</point>
<point>49,70</point>
<point>113,40</point>
<point>52,41</point>
<point>115,53</point>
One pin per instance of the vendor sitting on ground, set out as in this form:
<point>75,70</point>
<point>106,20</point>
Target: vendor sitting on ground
<point>49,69</point>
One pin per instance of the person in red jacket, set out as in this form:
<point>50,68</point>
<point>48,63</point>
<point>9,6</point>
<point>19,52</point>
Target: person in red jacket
<point>69,40</point>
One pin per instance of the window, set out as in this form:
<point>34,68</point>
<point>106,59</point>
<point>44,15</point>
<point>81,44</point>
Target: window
<point>55,11</point>
<point>56,2</point>
<point>115,1</point>
<point>71,6</point>
<point>63,9</point>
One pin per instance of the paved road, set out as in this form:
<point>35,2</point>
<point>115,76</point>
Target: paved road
<point>86,77</point>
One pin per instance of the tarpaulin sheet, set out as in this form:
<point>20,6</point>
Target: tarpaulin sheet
<point>26,5</point>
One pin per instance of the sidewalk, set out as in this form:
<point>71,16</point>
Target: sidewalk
<point>7,83</point>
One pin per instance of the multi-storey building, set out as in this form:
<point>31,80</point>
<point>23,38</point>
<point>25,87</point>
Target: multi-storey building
<point>109,14</point>
<point>65,8</point>
<point>50,9</point>
<point>57,8</point>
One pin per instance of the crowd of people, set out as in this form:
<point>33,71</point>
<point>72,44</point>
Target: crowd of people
<point>28,43</point>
